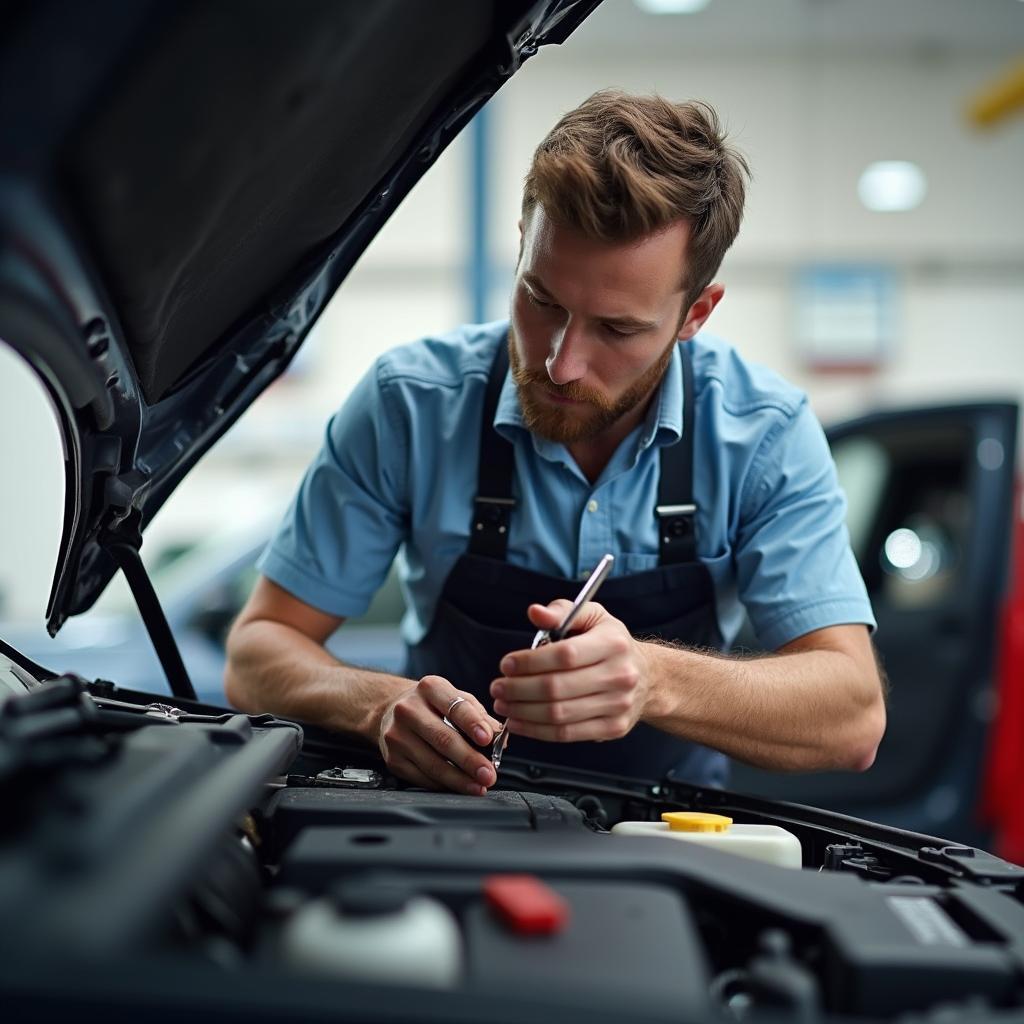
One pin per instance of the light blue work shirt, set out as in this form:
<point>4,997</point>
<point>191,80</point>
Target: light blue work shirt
<point>398,472</point>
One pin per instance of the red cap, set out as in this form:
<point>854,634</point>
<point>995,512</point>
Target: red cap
<point>526,905</point>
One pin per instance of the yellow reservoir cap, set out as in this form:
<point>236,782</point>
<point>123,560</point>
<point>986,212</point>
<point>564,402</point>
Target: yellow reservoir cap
<point>696,821</point>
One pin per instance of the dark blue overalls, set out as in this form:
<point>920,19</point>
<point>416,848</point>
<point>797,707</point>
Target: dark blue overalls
<point>484,597</point>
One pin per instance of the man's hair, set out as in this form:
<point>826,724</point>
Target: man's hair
<point>619,167</point>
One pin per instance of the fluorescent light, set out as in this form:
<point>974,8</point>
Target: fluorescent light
<point>891,186</point>
<point>671,6</point>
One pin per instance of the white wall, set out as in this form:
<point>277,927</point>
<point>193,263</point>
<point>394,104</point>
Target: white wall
<point>32,489</point>
<point>808,125</point>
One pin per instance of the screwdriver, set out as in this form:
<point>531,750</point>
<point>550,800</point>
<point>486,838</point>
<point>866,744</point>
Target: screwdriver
<point>545,636</point>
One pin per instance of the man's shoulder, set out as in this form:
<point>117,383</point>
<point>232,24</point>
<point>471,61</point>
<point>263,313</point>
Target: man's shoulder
<point>457,360</point>
<point>738,386</point>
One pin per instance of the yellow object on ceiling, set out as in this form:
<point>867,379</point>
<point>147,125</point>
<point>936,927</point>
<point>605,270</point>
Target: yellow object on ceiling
<point>1001,98</point>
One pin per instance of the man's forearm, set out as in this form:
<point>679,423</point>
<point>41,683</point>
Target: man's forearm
<point>275,668</point>
<point>803,711</point>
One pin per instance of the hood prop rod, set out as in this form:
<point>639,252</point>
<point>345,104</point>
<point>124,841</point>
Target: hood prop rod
<point>129,561</point>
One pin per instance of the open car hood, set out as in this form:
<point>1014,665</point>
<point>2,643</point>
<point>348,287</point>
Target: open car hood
<point>183,188</point>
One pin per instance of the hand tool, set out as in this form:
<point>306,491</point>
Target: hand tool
<point>546,636</point>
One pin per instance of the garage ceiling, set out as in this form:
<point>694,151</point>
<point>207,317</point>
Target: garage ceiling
<point>863,27</point>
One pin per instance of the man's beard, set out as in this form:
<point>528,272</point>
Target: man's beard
<point>595,413</point>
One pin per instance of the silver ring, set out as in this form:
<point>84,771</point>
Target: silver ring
<point>454,704</point>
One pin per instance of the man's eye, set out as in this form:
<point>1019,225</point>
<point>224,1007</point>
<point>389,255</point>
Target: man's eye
<point>537,302</point>
<point>618,332</point>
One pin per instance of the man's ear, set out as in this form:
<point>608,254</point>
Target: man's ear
<point>700,310</point>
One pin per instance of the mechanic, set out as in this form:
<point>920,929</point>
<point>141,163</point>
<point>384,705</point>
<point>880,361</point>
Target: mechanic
<point>501,461</point>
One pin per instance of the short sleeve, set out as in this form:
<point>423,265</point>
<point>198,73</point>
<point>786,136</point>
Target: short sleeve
<point>338,538</point>
<point>795,569</point>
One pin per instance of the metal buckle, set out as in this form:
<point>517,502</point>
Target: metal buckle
<point>492,512</point>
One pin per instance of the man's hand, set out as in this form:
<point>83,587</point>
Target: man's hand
<point>593,685</point>
<point>418,746</point>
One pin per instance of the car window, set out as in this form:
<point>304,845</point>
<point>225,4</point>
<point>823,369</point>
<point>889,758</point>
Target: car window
<point>863,466</point>
<point>909,508</point>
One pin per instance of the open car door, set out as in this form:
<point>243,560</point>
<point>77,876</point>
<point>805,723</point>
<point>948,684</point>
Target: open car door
<point>930,495</point>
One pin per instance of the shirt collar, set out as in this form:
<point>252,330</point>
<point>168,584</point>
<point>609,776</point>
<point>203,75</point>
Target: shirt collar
<point>663,423</point>
<point>508,413</point>
<point>509,422</point>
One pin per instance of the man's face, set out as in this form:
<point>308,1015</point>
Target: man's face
<point>593,326</point>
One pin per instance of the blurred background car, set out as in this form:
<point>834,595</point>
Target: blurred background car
<point>933,523</point>
<point>202,588</point>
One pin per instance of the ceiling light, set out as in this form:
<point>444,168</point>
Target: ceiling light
<point>903,548</point>
<point>671,6</point>
<point>892,185</point>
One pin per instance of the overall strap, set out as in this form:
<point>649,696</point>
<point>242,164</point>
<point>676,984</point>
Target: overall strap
<point>492,507</point>
<point>676,511</point>
<point>493,504</point>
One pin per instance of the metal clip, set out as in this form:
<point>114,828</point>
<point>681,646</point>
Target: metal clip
<point>165,711</point>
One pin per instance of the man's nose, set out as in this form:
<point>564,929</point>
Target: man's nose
<point>567,361</point>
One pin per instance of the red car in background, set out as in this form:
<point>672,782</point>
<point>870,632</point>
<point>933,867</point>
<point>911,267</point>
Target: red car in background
<point>1002,804</point>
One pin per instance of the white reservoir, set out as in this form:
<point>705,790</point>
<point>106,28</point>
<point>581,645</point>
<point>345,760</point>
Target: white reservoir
<point>759,842</point>
<point>401,939</point>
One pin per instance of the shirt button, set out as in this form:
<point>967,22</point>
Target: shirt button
<point>592,506</point>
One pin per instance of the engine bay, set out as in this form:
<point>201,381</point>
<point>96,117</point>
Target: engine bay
<point>161,860</point>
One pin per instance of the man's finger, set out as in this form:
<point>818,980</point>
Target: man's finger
<point>575,652</point>
<point>591,729</point>
<point>447,745</point>
<point>440,769</point>
<point>405,768</point>
<point>555,685</point>
<point>460,708</point>
<point>549,616</point>
<point>588,644</point>
<point>472,721</point>
<point>564,712</point>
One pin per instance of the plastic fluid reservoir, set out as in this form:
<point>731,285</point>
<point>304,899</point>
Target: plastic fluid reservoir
<point>760,842</point>
<point>376,932</point>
